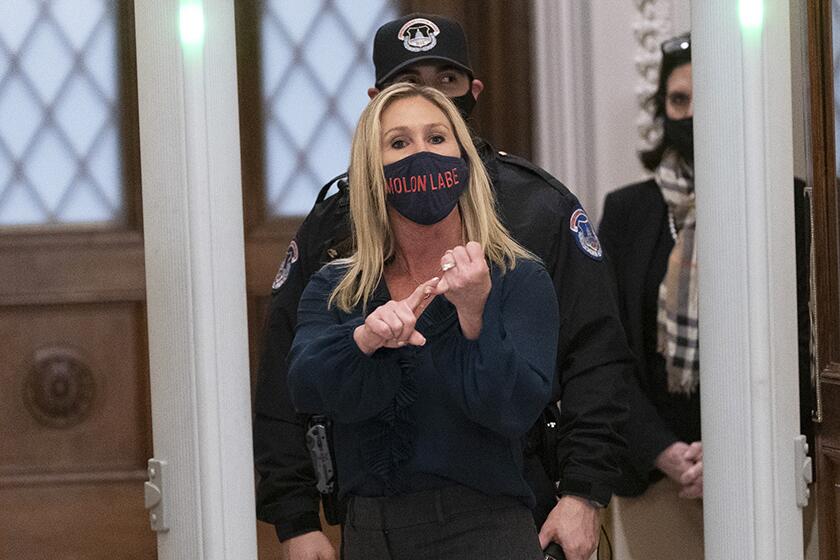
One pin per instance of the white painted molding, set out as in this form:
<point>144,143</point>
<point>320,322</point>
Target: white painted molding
<point>563,125</point>
<point>652,26</point>
<point>585,93</point>
<point>195,281</point>
<point>744,183</point>
<point>657,21</point>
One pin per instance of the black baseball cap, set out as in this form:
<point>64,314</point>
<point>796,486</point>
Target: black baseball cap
<point>418,37</point>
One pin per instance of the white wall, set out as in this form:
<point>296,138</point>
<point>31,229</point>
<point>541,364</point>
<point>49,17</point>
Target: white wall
<point>588,86</point>
<point>614,105</point>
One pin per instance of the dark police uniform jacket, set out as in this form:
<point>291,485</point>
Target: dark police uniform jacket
<point>593,357</point>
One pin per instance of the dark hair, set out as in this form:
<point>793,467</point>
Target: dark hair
<point>675,52</point>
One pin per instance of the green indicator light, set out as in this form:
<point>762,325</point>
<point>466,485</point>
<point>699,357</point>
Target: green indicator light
<point>752,13</point>
<point>192,23</point>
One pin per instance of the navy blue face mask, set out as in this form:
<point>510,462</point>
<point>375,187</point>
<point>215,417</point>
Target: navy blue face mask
<point>425,187</point>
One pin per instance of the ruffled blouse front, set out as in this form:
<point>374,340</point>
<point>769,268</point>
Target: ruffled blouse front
<point>454,410</point>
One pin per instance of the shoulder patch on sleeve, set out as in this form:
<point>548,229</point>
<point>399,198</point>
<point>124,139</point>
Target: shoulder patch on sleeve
<point>286,265</point>
<point>584,234</point>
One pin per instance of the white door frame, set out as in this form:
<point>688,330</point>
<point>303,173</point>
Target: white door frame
<point>746,258</point>
<point>195,277</point>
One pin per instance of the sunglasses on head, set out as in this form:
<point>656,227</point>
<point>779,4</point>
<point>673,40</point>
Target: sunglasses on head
<point>676,46</point>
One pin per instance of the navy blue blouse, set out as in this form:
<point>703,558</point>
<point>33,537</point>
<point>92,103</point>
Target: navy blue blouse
<point>452,411</point>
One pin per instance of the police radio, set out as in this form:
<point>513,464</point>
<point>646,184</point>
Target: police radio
<point>318,441</point>
<point>554,552</point>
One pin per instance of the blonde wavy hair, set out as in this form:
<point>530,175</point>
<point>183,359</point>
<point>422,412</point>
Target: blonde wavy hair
<point>373,240</point>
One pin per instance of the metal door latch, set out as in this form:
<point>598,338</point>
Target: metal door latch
<point>804,470</point>
<point>154,495</point>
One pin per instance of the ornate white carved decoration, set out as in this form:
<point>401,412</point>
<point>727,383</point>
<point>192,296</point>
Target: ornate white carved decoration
<point>653,26</point>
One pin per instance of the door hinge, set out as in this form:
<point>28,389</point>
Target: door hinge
<point>155,497</point>
<point>804,470</point>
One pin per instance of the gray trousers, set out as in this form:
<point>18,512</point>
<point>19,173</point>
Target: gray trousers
<point>450,523</point>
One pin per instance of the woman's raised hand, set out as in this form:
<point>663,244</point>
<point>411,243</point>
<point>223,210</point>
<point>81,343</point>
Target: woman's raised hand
<point>466,283</point>
<point>392,325</point>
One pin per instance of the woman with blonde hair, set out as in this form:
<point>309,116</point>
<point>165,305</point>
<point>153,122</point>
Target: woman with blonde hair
<point>432,347</point>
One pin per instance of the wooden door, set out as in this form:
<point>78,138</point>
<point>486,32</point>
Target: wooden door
<point>826,277</point>
<point>75,429</point>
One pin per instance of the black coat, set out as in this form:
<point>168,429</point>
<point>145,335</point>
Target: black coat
<point>593,357</point>
<point>637,241</point>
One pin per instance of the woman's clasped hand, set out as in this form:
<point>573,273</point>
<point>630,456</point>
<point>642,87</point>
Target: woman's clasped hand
<point>465,281</point>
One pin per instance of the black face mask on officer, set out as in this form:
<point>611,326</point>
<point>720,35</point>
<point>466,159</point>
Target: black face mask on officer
<point>679,133</point>
<point>464,103</point>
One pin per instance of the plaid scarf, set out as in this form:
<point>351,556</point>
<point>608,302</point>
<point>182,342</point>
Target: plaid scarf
<point>677,315</point>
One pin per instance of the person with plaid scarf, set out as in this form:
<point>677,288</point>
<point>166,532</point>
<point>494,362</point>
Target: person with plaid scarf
<point>647,232</point>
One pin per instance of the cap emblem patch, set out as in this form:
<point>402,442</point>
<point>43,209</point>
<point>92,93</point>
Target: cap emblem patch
<point>419,35</point>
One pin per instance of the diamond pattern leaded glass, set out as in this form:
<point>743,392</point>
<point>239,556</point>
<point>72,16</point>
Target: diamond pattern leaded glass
<point>59,142</point>
<point>316,60</point>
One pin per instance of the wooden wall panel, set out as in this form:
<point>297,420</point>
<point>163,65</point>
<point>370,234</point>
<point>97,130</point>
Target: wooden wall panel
<point>828,472</point>
<point>72,267</point>
<point>103,521</point>
<point>828,486</point>
<point>830,427</point>
<point>826,276</point>
<point>106,429</point>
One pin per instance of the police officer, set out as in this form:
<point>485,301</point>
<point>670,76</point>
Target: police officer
<point>543,216</point>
